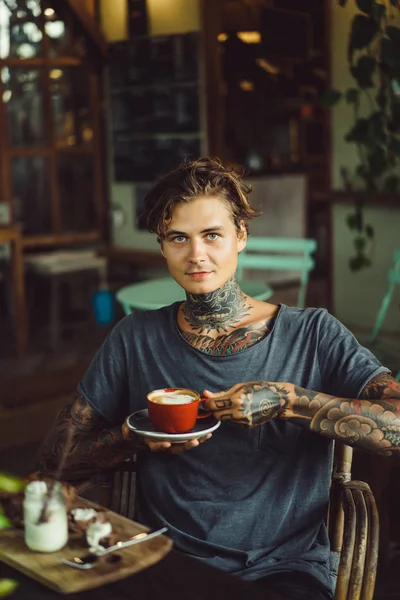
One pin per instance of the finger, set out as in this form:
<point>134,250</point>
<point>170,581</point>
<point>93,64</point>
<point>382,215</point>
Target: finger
<point>227,415</point>
<point>224,394</point>
<point>217,405</point>
<point>178,448</point>
<point>157,446</point>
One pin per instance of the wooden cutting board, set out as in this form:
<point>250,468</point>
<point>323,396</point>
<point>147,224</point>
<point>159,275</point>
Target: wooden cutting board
<point>50,571</point>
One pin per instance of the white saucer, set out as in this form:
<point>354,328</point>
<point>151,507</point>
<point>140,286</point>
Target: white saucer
<point>139,422</point>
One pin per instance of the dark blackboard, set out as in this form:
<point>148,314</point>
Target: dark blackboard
<point>154,104</point>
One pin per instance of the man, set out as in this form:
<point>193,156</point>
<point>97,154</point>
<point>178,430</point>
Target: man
<point>252,499</point>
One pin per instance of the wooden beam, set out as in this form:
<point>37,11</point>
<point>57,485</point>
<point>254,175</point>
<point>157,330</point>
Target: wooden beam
<point>80,11</point>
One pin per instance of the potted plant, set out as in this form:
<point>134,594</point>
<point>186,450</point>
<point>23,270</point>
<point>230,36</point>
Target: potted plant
<point>8,484</point>
<point>374,63</point>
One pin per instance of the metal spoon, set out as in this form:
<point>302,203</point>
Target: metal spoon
<point>88,561</point>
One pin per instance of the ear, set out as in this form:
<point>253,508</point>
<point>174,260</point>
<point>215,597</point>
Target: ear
<point>162,249</point>
<point>242,237</point>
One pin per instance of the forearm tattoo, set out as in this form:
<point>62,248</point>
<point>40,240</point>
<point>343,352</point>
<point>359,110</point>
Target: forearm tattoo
<point>94,446</point>
<point>371,423</point>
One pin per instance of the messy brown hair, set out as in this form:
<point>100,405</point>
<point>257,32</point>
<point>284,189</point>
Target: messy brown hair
<point>203,177</point>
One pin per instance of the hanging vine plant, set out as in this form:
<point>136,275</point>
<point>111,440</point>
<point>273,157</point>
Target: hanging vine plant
<point>374,63</point>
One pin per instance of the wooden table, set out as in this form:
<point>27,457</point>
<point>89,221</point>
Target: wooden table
<point>12,234</point>
<point>176,576</point>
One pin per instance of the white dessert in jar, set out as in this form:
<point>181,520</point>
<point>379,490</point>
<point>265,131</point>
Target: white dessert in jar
<point>51,534</point>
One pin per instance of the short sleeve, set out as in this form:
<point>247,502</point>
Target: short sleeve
<point>105,384</point>
<point>346,366</point>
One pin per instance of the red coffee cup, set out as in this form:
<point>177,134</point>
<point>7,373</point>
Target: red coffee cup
<point>174,410</point>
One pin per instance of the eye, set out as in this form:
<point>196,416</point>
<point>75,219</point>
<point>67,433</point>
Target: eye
<point>213,236</point>
<point>179,239</point>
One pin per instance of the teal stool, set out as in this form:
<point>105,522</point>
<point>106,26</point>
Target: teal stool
<point>394,279</point>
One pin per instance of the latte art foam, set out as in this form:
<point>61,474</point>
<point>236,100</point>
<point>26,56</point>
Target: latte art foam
<point>173,399</point>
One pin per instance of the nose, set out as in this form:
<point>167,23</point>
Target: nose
<point>197,251</point>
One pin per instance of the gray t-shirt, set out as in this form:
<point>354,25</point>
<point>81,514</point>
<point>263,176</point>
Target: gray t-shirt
<point>248,501</point>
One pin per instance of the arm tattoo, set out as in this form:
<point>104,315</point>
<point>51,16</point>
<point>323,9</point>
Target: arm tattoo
<point>371,422</point>
<point>260,402</point>
<point>94,445</point>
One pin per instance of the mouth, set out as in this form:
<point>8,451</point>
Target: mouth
<point>199,274</point>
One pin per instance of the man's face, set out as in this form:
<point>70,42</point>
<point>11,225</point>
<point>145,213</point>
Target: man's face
<point>202,244</point>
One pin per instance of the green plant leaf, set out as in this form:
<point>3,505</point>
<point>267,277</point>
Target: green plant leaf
<point>363,31</point>
<point>363,71</point>
<point>331,98</point>
<point>393,33</point>
<point>361,171</point>
<point>382,97</point>
<point>359,244</point>
<point>7,586</point>
<point>356,263</point>
<point>377,132</point>
<point>359,132</point>
<point>351,221</point>
<point>9,483</point>
<point>352,95</point>
<point>4,522</point>
<point>390,55</point>
<point>377,162</point>
<point>369,231</point>
<point>365,5</point>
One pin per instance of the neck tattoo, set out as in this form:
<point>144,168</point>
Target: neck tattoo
<point>218,311</point>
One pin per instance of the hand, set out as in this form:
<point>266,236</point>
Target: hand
<point>250,404</point>
<point>175,448</point>
<point>139,442</point>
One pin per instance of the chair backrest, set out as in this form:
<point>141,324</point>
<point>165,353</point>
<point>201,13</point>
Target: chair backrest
<point>394,272</point>
<point>280,254</point>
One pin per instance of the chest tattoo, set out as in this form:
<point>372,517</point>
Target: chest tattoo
<point>229,343</point>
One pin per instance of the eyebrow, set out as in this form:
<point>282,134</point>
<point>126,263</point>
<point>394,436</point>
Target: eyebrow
<point>208,230</point>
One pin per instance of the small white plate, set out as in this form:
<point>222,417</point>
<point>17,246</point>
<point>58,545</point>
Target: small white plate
<point>139,422</point>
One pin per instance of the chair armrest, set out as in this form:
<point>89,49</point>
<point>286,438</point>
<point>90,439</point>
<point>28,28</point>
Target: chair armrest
<point>359,554</point>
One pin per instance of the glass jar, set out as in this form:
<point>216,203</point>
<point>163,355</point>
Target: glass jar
<point>51,534</point>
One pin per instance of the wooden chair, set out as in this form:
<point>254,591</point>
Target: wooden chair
<point>352,522</point>
<point>353,526</point>
<point>278,254</point>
